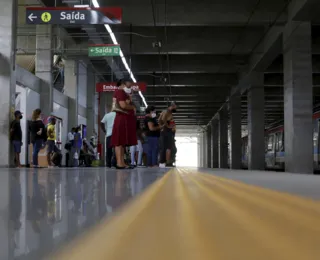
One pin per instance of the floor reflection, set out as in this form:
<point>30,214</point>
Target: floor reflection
<point>49,207</point>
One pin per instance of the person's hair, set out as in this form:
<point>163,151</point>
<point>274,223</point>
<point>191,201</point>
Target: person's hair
<point>35,114</point>
<point>119,83</point>
<point>73,128</point>
<point>149,109</point>
<point>123,81</point>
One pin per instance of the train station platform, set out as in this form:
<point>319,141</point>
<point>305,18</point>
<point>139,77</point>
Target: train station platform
<point>181,213</point>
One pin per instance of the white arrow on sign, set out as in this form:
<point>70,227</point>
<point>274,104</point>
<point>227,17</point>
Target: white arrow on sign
<point>31,17</point>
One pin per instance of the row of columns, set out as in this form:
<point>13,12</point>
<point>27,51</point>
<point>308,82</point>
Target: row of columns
<point>220,154</point>
<point>298,112</point>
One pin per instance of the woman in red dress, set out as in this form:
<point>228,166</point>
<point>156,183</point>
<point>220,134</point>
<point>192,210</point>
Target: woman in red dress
<point>123,134</point>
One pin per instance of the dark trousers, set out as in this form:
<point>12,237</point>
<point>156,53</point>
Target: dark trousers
<point>110,158</point>
<point>37,145</point>
<point>153,148</point>
<point>166,143</point>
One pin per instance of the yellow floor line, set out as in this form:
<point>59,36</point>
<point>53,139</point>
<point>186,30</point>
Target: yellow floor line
<point>190,215</point>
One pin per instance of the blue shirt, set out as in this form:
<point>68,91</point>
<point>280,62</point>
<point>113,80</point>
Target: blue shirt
<point>108,121</point>
<point>78,140</point>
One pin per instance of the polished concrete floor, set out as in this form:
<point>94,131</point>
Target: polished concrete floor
<point>187,214</point>
<point>51,206</point>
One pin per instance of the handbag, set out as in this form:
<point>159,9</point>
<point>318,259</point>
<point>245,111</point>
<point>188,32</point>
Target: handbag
<point>116,107</point>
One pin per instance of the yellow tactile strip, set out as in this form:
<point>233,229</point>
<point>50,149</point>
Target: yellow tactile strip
<point>191,215</point>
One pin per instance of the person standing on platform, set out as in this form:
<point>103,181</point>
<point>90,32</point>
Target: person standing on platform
<point>174,148</point>
<point>16,137</point>
<point>137,148</point>
<point>153,133</point>
<point>167,135</point>
<point>107,126</point>
<point>51,140</point>
<point>123,133</point>
<point>77,144</point>
<point>68,147</point>
<point>38,135</point>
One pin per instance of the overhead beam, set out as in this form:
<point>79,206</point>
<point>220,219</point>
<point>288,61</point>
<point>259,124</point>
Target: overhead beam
<point>181,40</point>
<point>187,92</point>
<point>203,79</point>
<point>204,12</point>
<point>192,63</point>
<point>304,10</point>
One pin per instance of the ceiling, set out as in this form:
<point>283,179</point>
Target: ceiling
<point>205,46</point>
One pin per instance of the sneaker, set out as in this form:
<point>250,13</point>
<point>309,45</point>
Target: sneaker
<point>162,165</point>
<point>169,165</point>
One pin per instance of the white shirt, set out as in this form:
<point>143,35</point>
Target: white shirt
<point>70,136</point>
<point>108,121</point>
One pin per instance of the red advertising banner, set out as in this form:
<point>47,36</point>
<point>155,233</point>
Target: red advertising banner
<point>112,86</point>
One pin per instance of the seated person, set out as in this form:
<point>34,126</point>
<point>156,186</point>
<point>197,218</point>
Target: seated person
<point>86,154</point>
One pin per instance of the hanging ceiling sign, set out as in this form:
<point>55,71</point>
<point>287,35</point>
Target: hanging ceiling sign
<point>73,15</point>
<point>104,50</point>
<point>112,86</point>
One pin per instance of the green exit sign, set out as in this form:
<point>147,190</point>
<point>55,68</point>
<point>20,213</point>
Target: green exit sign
<point>104,50</point>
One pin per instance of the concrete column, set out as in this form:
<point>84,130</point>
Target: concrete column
<point>256,145</point>
<point>223,138</point>
<point>8,88</point>
<point>7,100</point>
<point>90,101</point>
<point>235,131</point>
<point>43,67</point>
<point>298,127</point>
<point>204,149</point>
<point>200,151</point>
<point>214,144</point>
<point>71,90</point>
<point>208,145</point>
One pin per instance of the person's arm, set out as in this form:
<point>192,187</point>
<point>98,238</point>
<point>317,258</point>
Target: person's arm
<point>12,126</point>
<point>122,98</point>
<point>126,106</point>
<point>103,128</point>
<point>152,127</point>
<point>102,124</point>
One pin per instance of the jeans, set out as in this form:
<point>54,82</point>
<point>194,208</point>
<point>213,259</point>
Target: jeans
<point>133,150</point>
<point>74,162</point>
<point>153,148</point>
<point>37,145</point>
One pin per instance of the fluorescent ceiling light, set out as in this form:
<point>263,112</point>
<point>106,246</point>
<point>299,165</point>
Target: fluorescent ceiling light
<point>114,40</point>
<point>95,3</point>
<point>82,6</point>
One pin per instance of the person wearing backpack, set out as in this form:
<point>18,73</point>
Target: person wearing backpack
<point>37,135</point>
